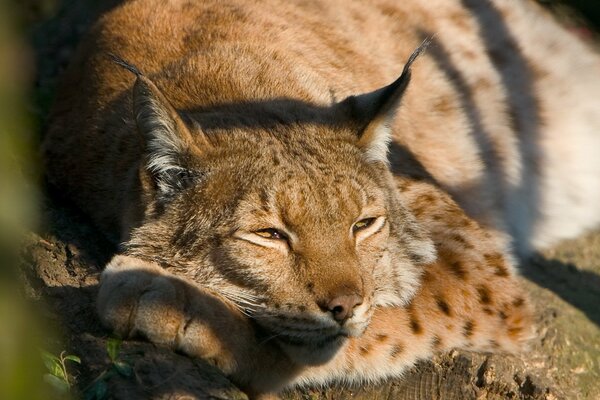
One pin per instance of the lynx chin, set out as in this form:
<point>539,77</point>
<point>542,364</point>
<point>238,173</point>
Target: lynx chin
<point>311,192</point>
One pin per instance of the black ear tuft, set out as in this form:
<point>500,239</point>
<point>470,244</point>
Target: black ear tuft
<point>119,61</point>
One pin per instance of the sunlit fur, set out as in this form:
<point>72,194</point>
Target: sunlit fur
<point>315,196</point>
<point>255,115</point>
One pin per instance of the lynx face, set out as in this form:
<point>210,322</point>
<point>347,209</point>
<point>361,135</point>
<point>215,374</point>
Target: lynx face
<point>299,225</point>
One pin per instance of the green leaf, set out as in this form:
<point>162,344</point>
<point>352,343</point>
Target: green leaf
<point>60,372</point>
<point>57,383</point>
<point>100,390</point>
<point>51,362</point>
<point>56,369</point>
<point>123,368</point>
<point>73,358</point>
<point>109,374</point>
<point>51,366</point>
<point>48,356</point>
<point>113,346</point>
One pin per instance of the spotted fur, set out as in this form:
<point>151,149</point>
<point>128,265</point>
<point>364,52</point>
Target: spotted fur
<point>190,130</point>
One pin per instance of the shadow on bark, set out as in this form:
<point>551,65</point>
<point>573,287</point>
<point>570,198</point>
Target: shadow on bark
<point>580,288</point>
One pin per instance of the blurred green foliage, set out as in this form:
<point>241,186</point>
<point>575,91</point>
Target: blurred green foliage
<point>58,373</point>
<point>20,362</point>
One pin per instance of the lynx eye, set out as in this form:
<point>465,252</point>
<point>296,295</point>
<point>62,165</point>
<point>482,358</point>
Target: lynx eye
<point>271,233</point>
<point>363,224</point>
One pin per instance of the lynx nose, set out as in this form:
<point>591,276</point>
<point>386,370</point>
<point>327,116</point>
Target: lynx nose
<point>342,307</point>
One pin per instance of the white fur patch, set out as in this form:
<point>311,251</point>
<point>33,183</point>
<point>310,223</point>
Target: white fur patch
<point>377,148</point>
<point>164,145</point>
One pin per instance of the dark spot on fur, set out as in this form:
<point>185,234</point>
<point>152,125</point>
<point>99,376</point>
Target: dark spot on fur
<point>301,308</point>
<point>482,84</point>
<point>518,302</point>
<point>514,331</point>
<point>464,222</point>
<point>487,310</point>
<point>457,269</point>
<point>416,258</point>
<point>364,350</point>
<point>276,305</point>
<point>484,295</point>
<point>410,230</point>
<point>419,210</point>
<point>461,21</point>
<point>443,305</point>
<point>502,315</point>
<point>425,198</point>
<point>468,328</point>
<point>460,239</point>
<point>538,72</point>
<point>396,350</point>
<point>444,105</point>
<point>496,261</point>
<point>415,326</point>
<point>381,337</point>
<point>436,342</point>
<point>501,271</point>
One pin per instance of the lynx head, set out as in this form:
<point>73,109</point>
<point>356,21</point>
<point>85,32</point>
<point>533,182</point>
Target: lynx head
<point>288,210</point>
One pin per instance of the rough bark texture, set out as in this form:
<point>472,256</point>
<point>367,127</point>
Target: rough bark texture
<point>62,262</point>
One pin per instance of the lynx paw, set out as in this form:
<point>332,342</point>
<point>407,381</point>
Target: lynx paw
<point>139,298</point>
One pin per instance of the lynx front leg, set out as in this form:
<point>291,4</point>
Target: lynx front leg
<point>140,298</point>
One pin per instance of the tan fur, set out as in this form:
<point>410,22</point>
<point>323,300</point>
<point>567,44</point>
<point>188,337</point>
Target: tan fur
<point>273,114</point>
<point>468,299</point>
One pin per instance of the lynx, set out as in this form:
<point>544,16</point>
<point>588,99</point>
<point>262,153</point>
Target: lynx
<point>287,213</point>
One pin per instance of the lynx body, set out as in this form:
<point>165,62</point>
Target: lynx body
<point>264,181</point>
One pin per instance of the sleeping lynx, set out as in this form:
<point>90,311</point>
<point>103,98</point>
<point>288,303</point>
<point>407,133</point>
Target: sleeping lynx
<point>286,215</point>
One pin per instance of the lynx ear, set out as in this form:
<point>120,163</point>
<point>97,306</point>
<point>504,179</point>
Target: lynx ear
<point>373,112</point>
<point>169,145</point>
